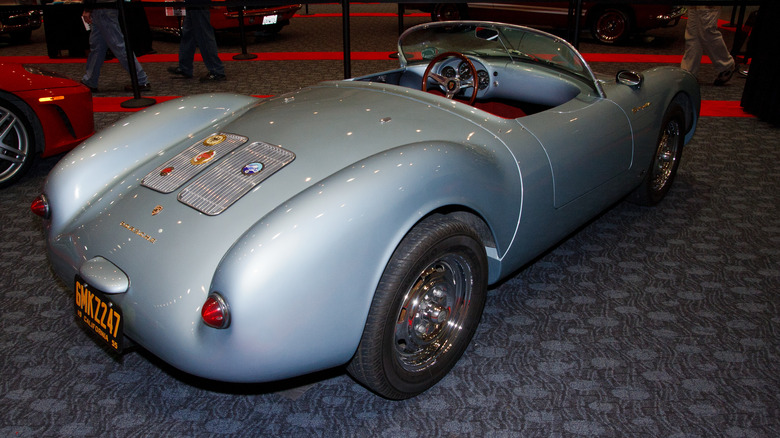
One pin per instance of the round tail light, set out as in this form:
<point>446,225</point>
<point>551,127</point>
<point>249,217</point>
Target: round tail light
<point>215,312</point>
<point>40,206</point>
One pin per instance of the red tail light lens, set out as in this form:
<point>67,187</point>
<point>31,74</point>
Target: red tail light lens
<point>215,312</point>
<point>40,206</point>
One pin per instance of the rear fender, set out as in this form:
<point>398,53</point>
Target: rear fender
<point>311,266</point>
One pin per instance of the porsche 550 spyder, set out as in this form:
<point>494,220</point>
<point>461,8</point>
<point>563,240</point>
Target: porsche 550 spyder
<point>354,222</point>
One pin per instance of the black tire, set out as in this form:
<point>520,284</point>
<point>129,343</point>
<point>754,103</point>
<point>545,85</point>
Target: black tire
<point>17,144</point>
<point>666,159</point>
<point>610,25</point>
<point>448,12</point>
<point>436,284</point>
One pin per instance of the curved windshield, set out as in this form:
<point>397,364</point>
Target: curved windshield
<point>422,43</point>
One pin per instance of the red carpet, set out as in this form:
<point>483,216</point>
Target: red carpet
<point>112,104</point>
<point>709,108</point>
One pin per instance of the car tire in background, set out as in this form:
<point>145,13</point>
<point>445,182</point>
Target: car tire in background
<point>425,310</point>
<point>17,143</point>
<point>448,12</point>
<point>666,159</point>
<point>610,25</point>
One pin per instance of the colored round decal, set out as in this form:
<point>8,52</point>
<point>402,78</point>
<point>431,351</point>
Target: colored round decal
<point>252,168</point>
<point>167,171</point>
<point>203,157</point>
<point>214,140</point>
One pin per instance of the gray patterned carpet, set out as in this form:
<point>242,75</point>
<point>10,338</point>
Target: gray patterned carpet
<point>657,321</point>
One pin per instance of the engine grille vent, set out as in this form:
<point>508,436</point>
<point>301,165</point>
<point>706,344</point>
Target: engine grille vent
<point>230,179</point>
<point>190,162</point>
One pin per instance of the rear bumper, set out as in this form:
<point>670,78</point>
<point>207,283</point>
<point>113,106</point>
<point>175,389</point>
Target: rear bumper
<point>20,21</point>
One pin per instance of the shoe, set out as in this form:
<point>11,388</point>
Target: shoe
<point>724,77</point>
<point>213,77</point>
<point>92,89</point>
<point>178,71</point>
<point>145,87</point>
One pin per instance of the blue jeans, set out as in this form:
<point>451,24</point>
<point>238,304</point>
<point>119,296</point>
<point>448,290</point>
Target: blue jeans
<point>105,35</point>
<point>196,32</point>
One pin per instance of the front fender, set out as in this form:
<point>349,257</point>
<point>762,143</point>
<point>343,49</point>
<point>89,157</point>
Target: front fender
<point>646,105</point>
<point>307,272</point>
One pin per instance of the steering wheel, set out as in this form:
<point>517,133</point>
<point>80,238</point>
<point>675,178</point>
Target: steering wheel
<point>452,86</point>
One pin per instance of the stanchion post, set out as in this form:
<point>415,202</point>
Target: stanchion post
<point>137,101</point>
<point>243,55</point>
<point>345,27</point>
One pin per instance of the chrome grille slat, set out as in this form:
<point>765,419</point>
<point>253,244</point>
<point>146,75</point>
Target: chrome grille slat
<point>225,183</point>
<point>183,169</point>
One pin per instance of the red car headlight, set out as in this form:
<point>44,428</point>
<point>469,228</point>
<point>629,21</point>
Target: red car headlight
<point>215,312</point>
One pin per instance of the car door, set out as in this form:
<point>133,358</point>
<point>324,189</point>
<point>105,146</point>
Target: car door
<point>588,142</point>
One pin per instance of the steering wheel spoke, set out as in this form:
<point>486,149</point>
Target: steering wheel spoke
<point>440,79</point>
<point>452,86</point>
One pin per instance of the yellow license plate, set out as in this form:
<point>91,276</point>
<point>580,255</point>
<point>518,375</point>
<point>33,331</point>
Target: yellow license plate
<point>99,314</point>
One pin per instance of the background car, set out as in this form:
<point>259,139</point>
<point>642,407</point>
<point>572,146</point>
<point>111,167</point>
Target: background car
<point>354,222</point>
<point>19,23</point>
<point>269,21</point>
<point>41,114</point>
<point>609,22</point>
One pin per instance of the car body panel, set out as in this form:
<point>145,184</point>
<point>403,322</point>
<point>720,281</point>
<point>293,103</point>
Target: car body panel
<point>299,256</point>
<point>59,109</point>
<point>610,21</point>
<point>19,23</point>
<point>224,18</point>
<point>556,14</point>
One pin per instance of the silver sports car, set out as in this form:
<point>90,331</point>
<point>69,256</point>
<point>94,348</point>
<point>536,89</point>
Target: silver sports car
<point>354,222</point>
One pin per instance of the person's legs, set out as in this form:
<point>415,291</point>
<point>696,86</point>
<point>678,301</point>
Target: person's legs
<point>187,45</point>
<point>204,38</point>
<point>97,52</point>
<point>712,41</point>
<point>112,34</point>
<point>693,49</point>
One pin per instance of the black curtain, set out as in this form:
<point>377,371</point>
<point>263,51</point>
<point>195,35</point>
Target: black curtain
<point>761,96</point>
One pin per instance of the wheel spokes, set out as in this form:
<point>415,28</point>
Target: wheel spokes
<point>13,143</point>
<point>432,313</point>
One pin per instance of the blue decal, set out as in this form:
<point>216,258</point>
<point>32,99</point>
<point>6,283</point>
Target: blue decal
<point>252,168</point>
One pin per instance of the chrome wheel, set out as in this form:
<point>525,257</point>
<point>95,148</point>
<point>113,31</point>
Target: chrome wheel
<point>659,176</point>
<point>611,26</point>
<point>16,146</point>
<point>425,309</point>
<point>666,155</point>
<point>433,312</point>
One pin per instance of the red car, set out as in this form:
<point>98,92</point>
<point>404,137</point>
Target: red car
<point>41,114</point>
<point>609,22</point>
<point>267,20</point>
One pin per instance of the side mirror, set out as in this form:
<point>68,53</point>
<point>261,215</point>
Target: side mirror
<point>630,78</point>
